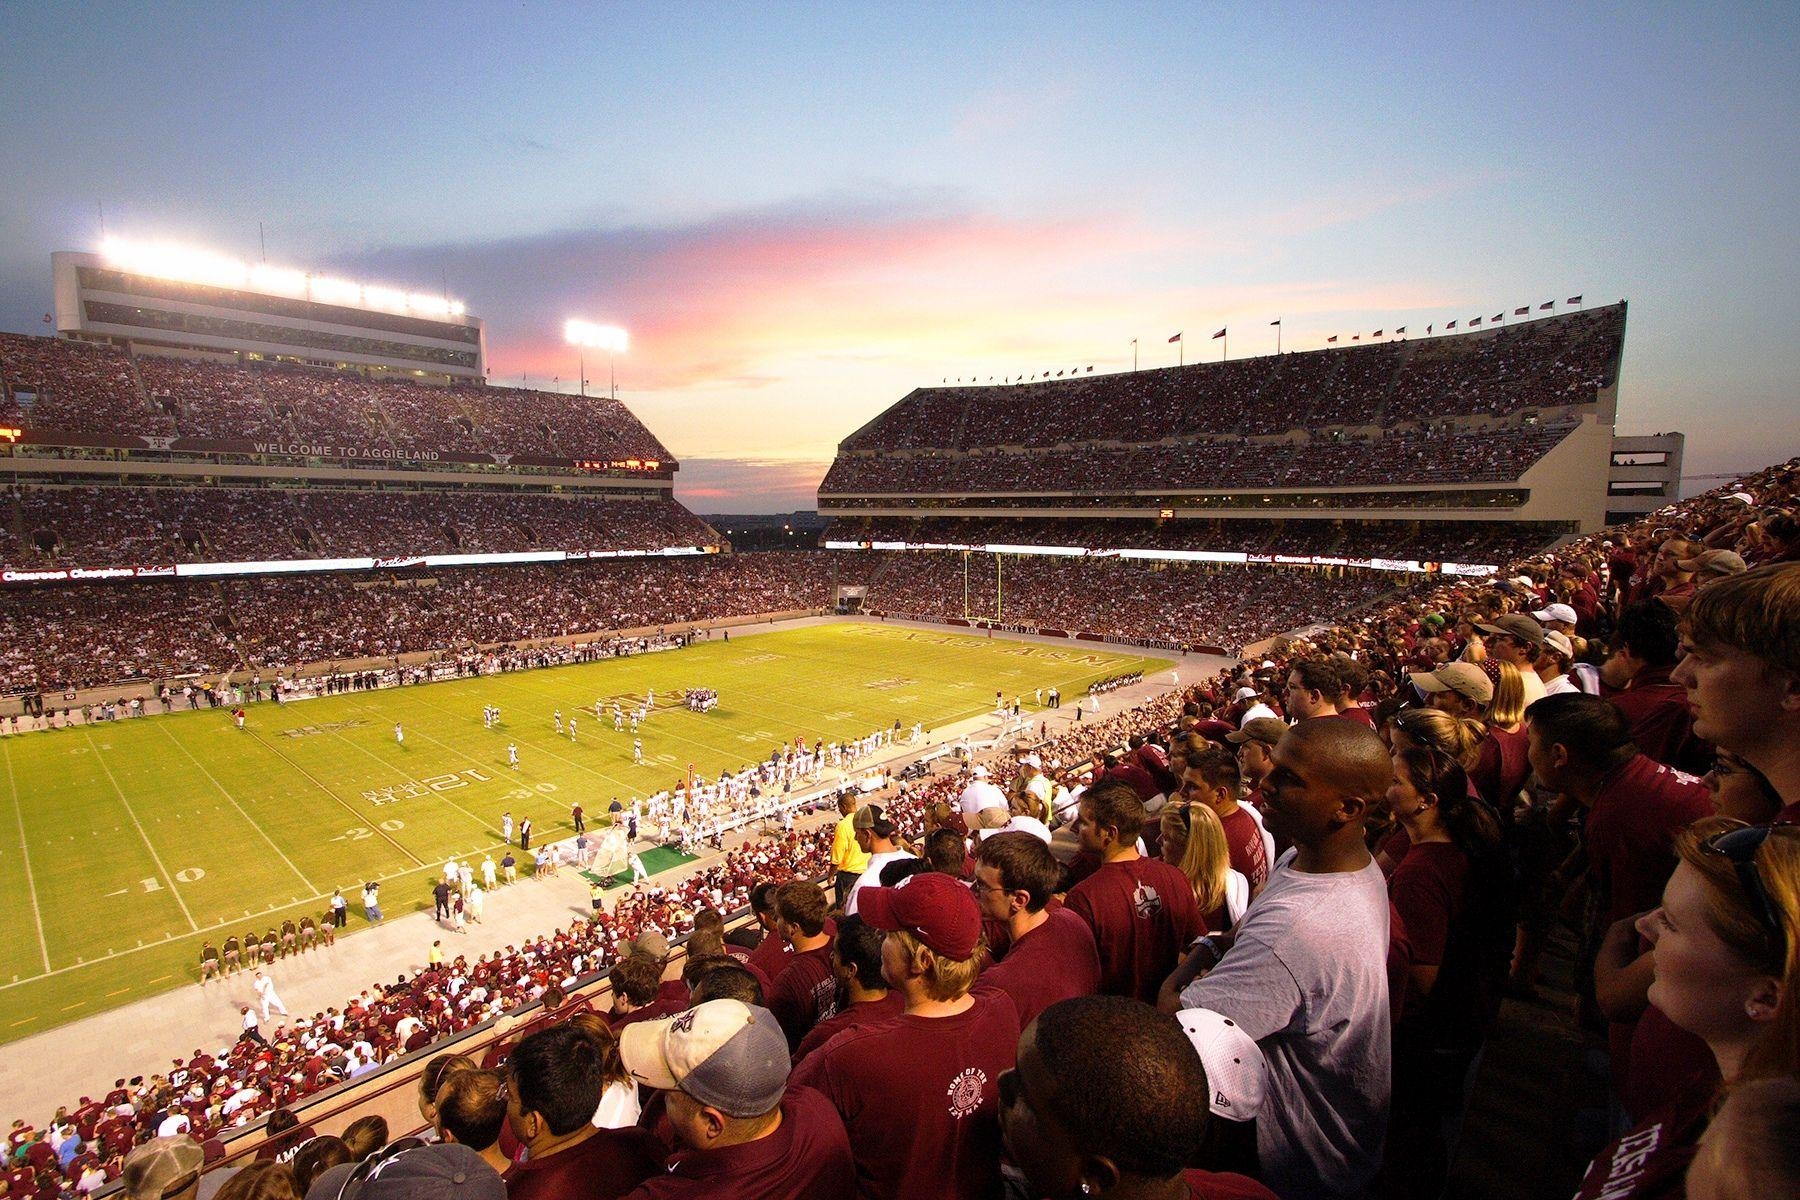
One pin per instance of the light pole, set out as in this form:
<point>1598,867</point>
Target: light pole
<point>585,335</point>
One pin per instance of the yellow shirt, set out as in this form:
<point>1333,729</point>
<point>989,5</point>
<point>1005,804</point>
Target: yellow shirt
<point>846,855</point>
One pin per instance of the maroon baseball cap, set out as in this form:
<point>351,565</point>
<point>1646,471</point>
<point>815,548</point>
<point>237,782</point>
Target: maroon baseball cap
<point>936,909</point>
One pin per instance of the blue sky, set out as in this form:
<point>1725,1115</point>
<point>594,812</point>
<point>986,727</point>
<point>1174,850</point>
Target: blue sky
<point>802,212</point>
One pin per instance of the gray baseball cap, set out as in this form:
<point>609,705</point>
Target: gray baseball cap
<point>724,1053</point>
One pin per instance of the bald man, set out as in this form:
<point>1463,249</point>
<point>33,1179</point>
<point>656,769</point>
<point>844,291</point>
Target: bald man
<point>1305,974</point>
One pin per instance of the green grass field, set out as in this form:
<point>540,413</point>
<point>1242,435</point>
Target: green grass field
<point>124,844</point>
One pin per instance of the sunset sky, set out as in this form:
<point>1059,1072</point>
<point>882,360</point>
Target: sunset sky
<point>802,212</point>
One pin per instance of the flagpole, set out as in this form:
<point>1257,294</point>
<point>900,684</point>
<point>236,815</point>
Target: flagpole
<point>1278,337</point>
<point>1181,352</point>
<point>1224,348</point>
<point>1134,354</point>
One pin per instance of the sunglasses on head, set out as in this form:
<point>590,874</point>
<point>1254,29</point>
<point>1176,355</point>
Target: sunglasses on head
<point>1740,847</point>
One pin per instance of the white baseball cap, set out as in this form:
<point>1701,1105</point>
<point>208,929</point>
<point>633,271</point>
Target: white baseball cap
<point>725,1053</point>
<point>1237,1075</point>
<point>1555,612</point>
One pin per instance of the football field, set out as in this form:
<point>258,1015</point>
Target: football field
<point>123,845</point>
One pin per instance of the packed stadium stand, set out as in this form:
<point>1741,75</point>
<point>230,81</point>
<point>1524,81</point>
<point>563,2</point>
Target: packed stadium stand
<point>1555,363</point>
<point>58,386</point>
<point>1537,1102</point>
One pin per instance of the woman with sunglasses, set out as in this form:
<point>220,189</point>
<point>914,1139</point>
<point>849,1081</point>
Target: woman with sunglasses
<point>1727,969</point>
<point>1451,899</point>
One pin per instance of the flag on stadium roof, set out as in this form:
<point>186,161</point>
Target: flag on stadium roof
<point>1218,335</point>
<point>1499,316</point>
<point>1573,300</point>
<point>1428,329</point>
<point>1402,329</point>
<point>1276,321</point>
<point>1474,321</point>
<point>1451,325</point>
<point>1377,333</point>
<point>1175,339</point>
<point>1356,337</point>
<point>1521,312</point>
<point>1332,338</point>
<point>1546,305</point>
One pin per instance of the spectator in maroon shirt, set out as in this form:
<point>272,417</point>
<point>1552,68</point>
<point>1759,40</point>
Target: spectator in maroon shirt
<point>743,1134</point>
<point>805,992</point>
<point>919,1093</point>
<point>470,1110</point>
<point>1314,689</point>
<point>1212,779</point>
<point>636,991</point>
<point>554,1079</point>
<point>1581,747</point>
<point>867,998</point>
<point>1742,672</point>
<point>1451,894</point>
<point>1109,1098</point>
<point>1256,743</point>
<point>1142,910</point>
<point>1724,970</point>
<point>1050,954</point>
<point>771,953</point>
<point>1638,678</point>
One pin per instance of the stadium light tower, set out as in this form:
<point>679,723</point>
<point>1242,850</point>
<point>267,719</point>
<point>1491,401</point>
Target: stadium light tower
<point>587,336</point>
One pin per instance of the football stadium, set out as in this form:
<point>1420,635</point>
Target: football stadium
<point>1368,768</point>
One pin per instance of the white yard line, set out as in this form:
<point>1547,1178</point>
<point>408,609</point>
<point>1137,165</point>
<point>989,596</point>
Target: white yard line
<point>142,832</point>
<point>347,806</point>
<point>232,800</point>
<point>30,884</point>
<point>485,826</point>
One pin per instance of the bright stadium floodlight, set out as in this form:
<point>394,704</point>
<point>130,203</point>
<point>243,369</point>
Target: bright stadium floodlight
<point>162,260</point>
<point>586,335</point>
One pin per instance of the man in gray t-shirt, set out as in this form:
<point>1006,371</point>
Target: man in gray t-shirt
<point>1306,973</point>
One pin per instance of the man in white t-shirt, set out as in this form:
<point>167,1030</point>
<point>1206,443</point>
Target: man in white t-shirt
<point>875,834</point>
<point>1037,784</point>
<point>1305,971</point>
<point>980,794</point>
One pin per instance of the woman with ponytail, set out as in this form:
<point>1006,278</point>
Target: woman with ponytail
<point>1451,896</point>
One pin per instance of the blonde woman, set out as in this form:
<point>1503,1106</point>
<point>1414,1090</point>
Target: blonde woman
<point>1502,767</point>
<point>1193,841</point>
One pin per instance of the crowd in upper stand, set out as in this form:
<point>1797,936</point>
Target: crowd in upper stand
<point>60,385</point>
<point>1246,939</point>
<point>1426,541</point>
<point>126,526</point>
<point>1414,456</point>
<point>1547,364</point>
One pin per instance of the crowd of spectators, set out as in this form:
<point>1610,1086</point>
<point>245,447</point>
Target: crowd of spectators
<point>1424,541</point>
<point>215,1090</point>
<point>1552,363</point>
<point>98,634</point>
<point>1041,952</point>
<point>54,384</point>
<point>1410,456</point>
<point>1179,604</point>
<point>130,526</point>
<point>73,386</point>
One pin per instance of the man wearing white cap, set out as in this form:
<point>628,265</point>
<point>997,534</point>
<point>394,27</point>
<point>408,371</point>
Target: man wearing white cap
<point>981,793</point>
<point>1560,617</point>
<point>1553,660</point>
<point>1037,784</point>
<point>723,1069</point>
